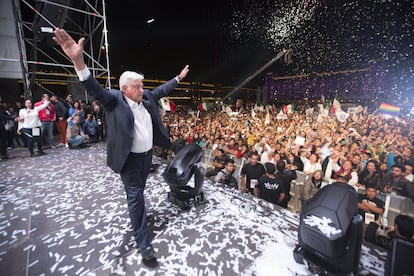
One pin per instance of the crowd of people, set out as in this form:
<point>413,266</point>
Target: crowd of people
<point>371,153</point>
<point>366,151</point>
<point>27,125</point>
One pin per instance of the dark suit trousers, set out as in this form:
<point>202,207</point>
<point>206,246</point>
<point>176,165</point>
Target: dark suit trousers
<point>134,176</point>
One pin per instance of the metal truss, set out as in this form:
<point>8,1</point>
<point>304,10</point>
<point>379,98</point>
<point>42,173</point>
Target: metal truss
<point>42,60</point>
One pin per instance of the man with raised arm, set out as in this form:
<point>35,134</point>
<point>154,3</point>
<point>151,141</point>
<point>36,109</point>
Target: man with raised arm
<point>134,127</point>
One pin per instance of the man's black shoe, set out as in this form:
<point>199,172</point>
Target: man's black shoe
<point>150,261</point>
<point>41,152</point>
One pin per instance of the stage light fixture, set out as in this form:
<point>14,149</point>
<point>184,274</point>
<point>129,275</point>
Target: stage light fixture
<point>330,230</point>
<point>178,174</point>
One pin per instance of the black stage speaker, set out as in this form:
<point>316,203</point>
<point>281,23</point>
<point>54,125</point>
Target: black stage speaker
<point>330,230</point>
<point>178,173</point>
<point>54,14</point>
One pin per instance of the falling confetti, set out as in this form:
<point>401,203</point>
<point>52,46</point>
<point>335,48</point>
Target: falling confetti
<point>328,36</point>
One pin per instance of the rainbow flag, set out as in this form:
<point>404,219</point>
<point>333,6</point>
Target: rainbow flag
<point>385,108</point>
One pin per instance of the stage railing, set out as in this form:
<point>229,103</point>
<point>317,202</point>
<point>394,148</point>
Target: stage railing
<point>396,205</point>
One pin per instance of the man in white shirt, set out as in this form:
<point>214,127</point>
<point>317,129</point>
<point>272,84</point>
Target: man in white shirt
<point>134,125</point>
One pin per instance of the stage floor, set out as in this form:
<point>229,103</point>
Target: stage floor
<point>65,213</point>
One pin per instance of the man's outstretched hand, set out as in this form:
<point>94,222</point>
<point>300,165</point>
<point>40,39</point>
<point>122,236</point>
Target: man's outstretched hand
<point>72,49</point>
<point>184,72</point>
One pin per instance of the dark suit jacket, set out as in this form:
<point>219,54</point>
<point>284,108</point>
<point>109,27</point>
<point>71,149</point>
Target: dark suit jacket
<point>120,120</point>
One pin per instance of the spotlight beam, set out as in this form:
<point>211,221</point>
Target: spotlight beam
<point>258,71</point>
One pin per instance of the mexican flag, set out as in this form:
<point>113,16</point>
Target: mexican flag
<point>203,106</point>
<point>336,104</point>
<point>287,109</point>
<point>166,104</point>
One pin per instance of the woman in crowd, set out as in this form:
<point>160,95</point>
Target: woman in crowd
<point>346,169</point>
<point>312,185</point>
<point>74,133</point>
<point>243,151</point>
<point>370,176</point>
<point>77,109</point>
<point>312,164</point>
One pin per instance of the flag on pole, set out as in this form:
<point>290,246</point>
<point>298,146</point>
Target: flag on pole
<point>332,110</point>
<point>341,115</point>
<point>325,112</point>
<point>309,111</point>
<point>203,106</point>
<point>335,107</point>
<point>281,116</point>
<point>166,104</point>
<point>352,110</point>
<point>228,110</point>
<point>385,108</point>
<point>267,119</point>
<point>336,104</point>
<point>290,108</point>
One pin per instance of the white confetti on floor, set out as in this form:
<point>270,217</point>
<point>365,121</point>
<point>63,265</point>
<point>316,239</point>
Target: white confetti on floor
<point>66,213</point>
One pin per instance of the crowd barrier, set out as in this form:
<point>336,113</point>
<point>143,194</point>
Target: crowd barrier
<point>395,205</point>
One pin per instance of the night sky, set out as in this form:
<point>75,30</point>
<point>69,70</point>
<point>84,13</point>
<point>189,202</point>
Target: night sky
<point>187,32</point>
<point>226,41</point>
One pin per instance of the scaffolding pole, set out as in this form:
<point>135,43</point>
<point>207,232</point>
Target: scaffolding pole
<point>22,49</point>
<point>86,18</point>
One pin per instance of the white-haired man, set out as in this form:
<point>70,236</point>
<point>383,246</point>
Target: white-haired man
<point>134,125</point>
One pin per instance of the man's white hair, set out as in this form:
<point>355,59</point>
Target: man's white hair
<point>127,77</point>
